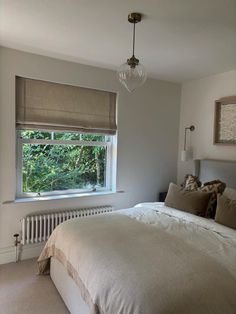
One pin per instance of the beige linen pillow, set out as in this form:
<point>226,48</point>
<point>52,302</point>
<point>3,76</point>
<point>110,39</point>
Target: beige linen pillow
<point>194,202</point>
<point>226,211</point>
<point>192,183</point>
<point>230,193</point>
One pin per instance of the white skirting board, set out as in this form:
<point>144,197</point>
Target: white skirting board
<point>8,254</point>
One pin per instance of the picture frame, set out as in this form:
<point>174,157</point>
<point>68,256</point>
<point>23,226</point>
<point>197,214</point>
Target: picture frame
<point>225,121</point>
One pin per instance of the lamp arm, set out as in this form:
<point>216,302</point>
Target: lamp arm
<point>185,138</point>
<point>191,128</point>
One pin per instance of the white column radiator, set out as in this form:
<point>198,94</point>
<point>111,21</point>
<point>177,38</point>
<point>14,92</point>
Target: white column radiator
<point>37,228</point>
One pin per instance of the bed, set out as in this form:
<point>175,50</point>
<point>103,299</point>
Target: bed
<point>143,260</point>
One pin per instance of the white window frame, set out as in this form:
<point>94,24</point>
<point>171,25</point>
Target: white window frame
<point>110,172</point>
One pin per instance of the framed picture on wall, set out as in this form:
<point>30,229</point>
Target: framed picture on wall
<point>225,121</point>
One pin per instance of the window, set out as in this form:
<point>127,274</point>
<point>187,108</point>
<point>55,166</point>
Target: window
<point>71,157</point>
<point>50,163</point>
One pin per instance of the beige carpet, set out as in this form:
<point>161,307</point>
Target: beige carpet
<point>23,292</point>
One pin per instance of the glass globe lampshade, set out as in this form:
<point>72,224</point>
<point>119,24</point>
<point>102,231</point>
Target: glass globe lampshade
<point>132,77</point>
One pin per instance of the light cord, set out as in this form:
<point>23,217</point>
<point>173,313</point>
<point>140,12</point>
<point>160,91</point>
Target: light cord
<point>134,37</point>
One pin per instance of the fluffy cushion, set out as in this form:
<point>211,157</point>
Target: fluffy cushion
<point>194,202</point>
<point>215,187</point>
<point>191,182</point>
<point>226,211</point>
<point>230,193</point>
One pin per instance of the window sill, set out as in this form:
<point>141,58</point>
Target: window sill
<point>60,197</point>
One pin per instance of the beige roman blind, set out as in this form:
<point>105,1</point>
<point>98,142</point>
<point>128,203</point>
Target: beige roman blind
<point>52,106</point>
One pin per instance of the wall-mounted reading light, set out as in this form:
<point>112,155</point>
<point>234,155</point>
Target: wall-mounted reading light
<point>185,153</point>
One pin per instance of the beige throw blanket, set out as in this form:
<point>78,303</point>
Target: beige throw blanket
<point>125,266</point>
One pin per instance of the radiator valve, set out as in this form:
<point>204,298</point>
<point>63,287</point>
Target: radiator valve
<point>16,236</point>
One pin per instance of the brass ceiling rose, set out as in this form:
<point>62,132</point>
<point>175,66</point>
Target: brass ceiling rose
<point>134,17</point>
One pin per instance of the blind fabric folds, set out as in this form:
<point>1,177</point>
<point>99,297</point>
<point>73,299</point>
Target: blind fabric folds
<point>53,106</point>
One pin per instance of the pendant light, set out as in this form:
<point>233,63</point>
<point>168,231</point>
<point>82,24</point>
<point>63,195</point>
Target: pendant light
<point>132,74</point>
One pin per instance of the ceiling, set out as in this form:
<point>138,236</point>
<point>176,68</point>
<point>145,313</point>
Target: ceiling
<point>178,40</point>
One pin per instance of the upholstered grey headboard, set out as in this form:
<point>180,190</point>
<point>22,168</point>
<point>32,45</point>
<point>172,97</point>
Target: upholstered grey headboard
<point>209,169</point>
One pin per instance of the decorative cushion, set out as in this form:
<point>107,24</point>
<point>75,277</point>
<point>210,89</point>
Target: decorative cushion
<point>194,202</point>
<point>226,211</point>
<point>230,193</point>
<point>191,182</point>
<point>214,187</point>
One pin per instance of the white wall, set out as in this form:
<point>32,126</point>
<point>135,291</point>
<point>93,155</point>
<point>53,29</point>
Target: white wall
<point>197,108</point>
<point>148,123</point>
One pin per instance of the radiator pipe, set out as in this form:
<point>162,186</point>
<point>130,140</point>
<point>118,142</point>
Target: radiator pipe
<point>16,242</point>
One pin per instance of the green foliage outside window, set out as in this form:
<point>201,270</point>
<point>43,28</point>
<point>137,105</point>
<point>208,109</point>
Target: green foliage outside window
<point>55,167</point>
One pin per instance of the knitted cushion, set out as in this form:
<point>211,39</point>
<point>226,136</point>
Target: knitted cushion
<point>191,182</point>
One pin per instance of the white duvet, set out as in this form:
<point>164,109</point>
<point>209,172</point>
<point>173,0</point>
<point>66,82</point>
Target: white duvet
<point>158,260</point>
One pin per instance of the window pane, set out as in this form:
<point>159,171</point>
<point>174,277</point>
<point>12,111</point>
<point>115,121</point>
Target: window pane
<point>93,137</point>
<point>78,136</point>
<point>67,136</point>
<point>30,134</point>
<point>48,168</point>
